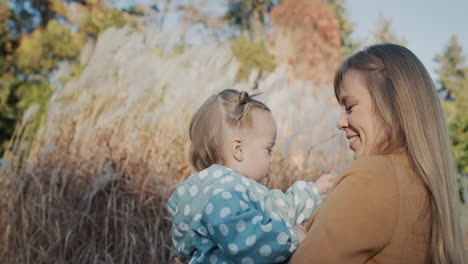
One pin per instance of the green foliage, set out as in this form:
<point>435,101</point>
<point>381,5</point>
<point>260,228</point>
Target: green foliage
<point>249,16</point>
<point>453,85</point>
<point>40,52</point>
<point>451,69</point>
<point>34,37</point>
<point>101,18</point>
<point>251,55</point>
<point>457,112</point>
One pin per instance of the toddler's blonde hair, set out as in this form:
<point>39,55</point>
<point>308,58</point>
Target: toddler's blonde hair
<point>227,109</point>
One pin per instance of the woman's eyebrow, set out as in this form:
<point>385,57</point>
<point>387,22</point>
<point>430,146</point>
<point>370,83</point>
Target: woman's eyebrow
<point>345,99</point>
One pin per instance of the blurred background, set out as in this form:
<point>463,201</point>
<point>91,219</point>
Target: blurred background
<point>96,97</point>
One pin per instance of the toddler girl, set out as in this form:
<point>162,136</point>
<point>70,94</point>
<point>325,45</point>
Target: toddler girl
<point>222,214</point>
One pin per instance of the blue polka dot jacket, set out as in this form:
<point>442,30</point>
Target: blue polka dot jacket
<point>221,216</point>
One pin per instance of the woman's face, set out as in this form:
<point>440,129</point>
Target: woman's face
<point>358,119</point>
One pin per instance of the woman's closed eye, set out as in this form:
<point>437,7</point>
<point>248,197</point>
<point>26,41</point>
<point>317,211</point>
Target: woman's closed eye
<point>349,108</point>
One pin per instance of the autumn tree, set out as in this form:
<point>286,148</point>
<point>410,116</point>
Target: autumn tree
<point>348,44</point>
<point>307,38</point>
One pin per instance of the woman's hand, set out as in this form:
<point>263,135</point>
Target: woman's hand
<point>325,182</point>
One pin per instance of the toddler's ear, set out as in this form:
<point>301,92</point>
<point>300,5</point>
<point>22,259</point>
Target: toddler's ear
<point>237,149</point>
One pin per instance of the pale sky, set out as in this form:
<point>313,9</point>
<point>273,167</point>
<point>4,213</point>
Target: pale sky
<point>427,25</point>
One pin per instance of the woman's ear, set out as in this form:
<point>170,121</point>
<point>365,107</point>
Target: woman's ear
<point>237,149</point>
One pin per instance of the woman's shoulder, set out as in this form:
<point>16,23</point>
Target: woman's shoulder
<point>378,164</point>
<point>379,172</point>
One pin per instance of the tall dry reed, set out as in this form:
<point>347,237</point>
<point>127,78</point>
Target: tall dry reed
<point>91,186</point>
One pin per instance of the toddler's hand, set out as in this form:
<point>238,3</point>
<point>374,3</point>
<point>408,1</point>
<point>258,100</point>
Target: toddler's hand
<point>301,232</point>
<point>325,182</point>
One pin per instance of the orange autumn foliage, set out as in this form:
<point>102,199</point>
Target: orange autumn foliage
<point>307,38</point>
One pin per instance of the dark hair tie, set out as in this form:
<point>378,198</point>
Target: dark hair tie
<point>243,98</point>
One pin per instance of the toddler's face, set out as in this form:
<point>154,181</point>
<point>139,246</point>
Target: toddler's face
<point>259,140</point>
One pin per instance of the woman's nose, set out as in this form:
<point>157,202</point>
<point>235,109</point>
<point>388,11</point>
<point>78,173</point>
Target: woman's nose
<point>342,122</point>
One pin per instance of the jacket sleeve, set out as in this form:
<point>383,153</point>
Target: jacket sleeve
<point>298,203</point>
<point>244,232</point>
<point>355,222</point>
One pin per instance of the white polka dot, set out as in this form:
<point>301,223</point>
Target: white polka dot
<point>221,247</point>
<point>203,174</point>
<point>192,233</point>
<point>301,185</point>
<point>309,203</point>
<point>262,205</point>
<point>228,179</point>
<point>197,217</point>
<point>292,248</point>
<point>181,190</point>
<point>280,203</point>
<point>250,240</point>
<point>239,188</point>
<point>297,200</point>
<point>226,195</point>
<point>174,242</point>
<point>171,211</point>
<point>205,240</point>
<point>245,197</point>
<point>243,205</point>
<point>267,227</point>
<point>257,219</point>
<point>275,216</point>
<point>213,259</point>
<point>182,247</point>
<point>280,259</point>
<point>245,181</point>
<point>282,238</point>
<point>224,229</point>
<point>291,213</point>
<point>217,174</point>
<point>210,229</point>
<point>247,260</point>
<point>218,190</point>
<point>253,197</point>
<point>209,208</point>
<point>224,212</point>
<point>202,230</point>
<point>177,233</point>
<point>207,188</point>
<point>300,219</point>
<point>183,226</point>
<point>265,250</point>
<point>233,249</point>
<point>315,190</point>
<point>187,210</point>
<point>260,190</point>
<point>240,226</point>
<point>193,190</point>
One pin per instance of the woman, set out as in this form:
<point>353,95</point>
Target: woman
<point>397,201</point>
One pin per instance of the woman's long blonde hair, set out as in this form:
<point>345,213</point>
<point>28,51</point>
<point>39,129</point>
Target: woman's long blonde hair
<point>406,100</point>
